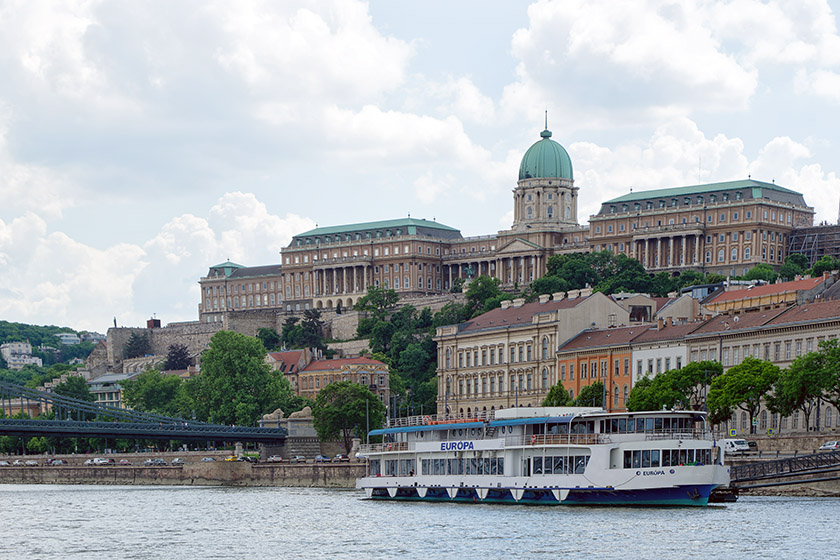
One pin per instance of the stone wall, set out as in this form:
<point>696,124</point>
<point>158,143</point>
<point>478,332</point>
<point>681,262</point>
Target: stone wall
<point>194,473</point>
<point>344,326</point>
<point>195,336</point>
<point>351,348</point>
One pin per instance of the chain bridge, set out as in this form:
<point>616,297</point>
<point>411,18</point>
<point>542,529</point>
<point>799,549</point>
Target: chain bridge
<point>71,417</point>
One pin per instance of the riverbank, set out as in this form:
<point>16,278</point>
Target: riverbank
<point>192,473</point>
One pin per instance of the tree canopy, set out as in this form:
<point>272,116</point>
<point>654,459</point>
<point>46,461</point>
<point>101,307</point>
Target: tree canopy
<point>377,300</point>
<point>677,388</point>
<point>138,345</point>
<point>236,385</point>
<point>342,410</point>
<point>269,338</point>
<point>152,391</point>
<point>557,396</point>
<point>742,386</point>
<point>177,357</point>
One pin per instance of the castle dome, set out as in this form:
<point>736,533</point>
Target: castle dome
<point>546,159</point>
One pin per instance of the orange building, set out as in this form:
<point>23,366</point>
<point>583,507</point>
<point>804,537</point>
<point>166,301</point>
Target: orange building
<point>600,355</point>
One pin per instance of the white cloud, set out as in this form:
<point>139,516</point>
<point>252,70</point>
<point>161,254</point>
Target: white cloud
<point>623,58</point>
<point>679,153</point>
<point>50,278</point>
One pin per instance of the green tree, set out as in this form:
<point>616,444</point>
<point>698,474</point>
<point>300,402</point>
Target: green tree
<point>152,391</point>
<point>483,294</point>
<point>74,387</point>
<point>137,346</point>
<point>377,300</point>
<point>743,386</point>
<point>829,363</point>
<point>795,265</point>
<point>557,396</point>
<point>591,395</point>
<point>761,271</point>
<point>340,411</point>
<point>683,388</point>
<point>269,338</point>
<point>800,386</point>
<point>826,264</point>
<point>177,357</point>
<point>236,385</point>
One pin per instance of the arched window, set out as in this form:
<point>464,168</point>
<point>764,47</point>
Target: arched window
<point>743,421</point>
<point>550,212</point>
<point>545,348</point>
<point>626,394</point>
<point>721,255</point>
<point>762,422</point>
<point>530,213</point>
<point>448,358</point>
<point>615,396</point>
<point>545,378</point>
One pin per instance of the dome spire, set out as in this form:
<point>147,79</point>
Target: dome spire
<point>546,133</point>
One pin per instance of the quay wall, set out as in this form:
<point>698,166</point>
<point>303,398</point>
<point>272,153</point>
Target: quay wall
<point>219,473</point>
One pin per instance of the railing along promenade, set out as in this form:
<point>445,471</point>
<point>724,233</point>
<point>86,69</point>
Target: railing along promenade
<point>818,463</point>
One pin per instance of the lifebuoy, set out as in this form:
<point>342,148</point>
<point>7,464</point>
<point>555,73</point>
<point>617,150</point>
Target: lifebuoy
<point>390,446</point>
<point>533,440</point>
<point>427,420</point>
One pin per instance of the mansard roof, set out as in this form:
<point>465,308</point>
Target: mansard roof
<point>744,190</point>
<point>411,226</point>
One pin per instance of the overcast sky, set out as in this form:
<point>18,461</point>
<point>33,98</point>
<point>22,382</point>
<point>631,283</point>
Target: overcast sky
<point>142,142</point>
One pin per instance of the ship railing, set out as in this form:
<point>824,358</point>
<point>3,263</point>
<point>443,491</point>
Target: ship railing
<point>431,419</point>
<point>556,439</point>
<point>675,434</point>
<point>380,447</point>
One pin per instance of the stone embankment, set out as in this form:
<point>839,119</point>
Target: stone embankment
<point>192,473</point>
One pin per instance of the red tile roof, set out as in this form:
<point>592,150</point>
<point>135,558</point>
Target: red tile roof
<point>768,289</point>
<point>667,332</point>
<point>289,359</point>
<point>331,365</point>
<point>521,315</point>
<point>809,312</point>
<point>738,321</point>
<point>604,337</point>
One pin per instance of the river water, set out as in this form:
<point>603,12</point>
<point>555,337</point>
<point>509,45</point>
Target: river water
<point>183,523</point>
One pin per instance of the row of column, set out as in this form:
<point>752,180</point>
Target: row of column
<point>664,252</point>
<point>343,280</point>
<point>508,270</point>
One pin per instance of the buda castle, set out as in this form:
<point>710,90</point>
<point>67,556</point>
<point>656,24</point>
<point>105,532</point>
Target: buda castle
<point>725,228</point>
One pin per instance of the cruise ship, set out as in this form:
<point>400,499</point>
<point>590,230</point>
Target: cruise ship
<point>548,456</point>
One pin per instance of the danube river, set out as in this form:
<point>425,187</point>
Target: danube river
<point>145,522</point>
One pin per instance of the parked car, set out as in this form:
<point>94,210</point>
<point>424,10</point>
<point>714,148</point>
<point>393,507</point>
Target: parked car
<point>55,462</point>
<point>31,463</point>
<point>275,459</point>
<point>207,460</point>
<point>341,458</point>
<point>124,462</point>
<point>17,463</point>
<point>753,446</point>
<point>157,462</point>
<point>88,462</point>
<point>177,461</point>
<point>322,459</point>
<point>231,458</point>
<point>830,446</point>
<point>100,461</point>
<point>4,463</point>
<point>298,459</point>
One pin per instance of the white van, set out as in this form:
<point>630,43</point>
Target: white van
<point>736,446</point>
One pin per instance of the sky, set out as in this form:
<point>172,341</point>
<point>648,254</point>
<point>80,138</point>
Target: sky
<point>143,142</point>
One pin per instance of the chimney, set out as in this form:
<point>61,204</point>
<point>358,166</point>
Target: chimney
<point>506,303</point>
<point>519,302</point>
<point>669,322</point>
<point>557,296</point>
<point>586,292</point>
<point>572,294</point>
<point>659,324</point>
<point>544,298</point>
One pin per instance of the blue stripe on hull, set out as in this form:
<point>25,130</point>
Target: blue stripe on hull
<point>694,495</point>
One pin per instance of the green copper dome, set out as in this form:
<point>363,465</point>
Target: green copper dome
<point>546,159</point>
